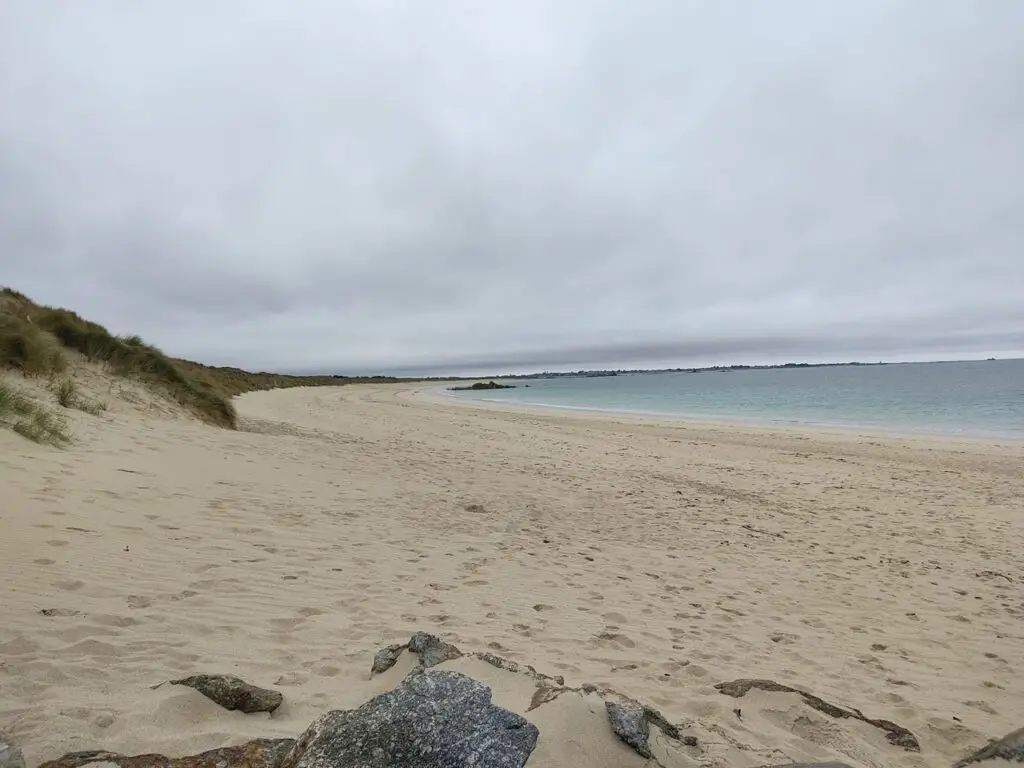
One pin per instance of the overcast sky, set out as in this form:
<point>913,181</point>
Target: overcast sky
<point>484,186</point>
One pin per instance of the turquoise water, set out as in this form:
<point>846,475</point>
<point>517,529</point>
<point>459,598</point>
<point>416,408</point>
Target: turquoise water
<point>972,398</point>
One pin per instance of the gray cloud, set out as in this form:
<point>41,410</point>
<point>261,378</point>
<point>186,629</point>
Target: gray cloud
<point>359,185</point>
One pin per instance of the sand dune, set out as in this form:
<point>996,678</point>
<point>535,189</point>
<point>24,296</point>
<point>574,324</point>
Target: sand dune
<point>879,573</point>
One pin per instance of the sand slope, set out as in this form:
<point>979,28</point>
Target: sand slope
<point>878,573</point>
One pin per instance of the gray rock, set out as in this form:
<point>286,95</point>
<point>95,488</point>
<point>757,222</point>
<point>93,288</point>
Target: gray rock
<point>386,658</point>
<point>233,693</point>
<point>432,650</point>
<point>1010,748</point>
<point>10,755</point>
<point>520,669</point>
<point>435,719</point>
<point>894,734</point>
<point>631,722</point>
<point>260,753</point>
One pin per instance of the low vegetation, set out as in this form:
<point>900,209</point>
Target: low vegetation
<point>66,391</point>
<point>34,340</point>
<point>29,419</point>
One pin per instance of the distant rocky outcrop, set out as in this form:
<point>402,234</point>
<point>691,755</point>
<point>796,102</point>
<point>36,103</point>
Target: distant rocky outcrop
<point>482,385</point>
<point>233,693</point>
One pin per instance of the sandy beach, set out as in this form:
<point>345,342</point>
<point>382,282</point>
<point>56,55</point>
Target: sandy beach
<point>658,558</point>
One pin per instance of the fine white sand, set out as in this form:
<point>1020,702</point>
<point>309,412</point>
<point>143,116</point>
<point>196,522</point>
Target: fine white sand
<point>878,573</point>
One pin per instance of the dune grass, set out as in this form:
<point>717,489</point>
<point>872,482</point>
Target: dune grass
<point>66,391</point>
<point>34,338</point>
<point>33,335</point>
<point>27,348</point>
<point>29,419</point>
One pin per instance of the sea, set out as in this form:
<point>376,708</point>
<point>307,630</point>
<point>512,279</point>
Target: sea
<point>980,398</point>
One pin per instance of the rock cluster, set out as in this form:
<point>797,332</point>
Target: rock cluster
<point>442,718</point>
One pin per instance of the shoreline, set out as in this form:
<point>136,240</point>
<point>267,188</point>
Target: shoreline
<point>721,421</point>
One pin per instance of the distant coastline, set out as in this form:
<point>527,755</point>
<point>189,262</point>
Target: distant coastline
<point>707,369</point>
<point>590,373</point>
<point>976,397</point>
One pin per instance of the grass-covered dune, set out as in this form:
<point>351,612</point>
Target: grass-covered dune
<point>37,341</point>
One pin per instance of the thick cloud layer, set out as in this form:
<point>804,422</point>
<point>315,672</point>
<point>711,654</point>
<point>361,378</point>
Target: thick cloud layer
<point>458,185</point>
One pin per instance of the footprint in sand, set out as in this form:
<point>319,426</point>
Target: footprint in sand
<point>983,706</point>
<point>615,640</point>
<point>326,670</point>
<point>58,543</point>
<point>44,561</point>
<point>291,678</point>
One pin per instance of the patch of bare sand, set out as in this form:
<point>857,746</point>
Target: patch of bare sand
<point>659,559</point>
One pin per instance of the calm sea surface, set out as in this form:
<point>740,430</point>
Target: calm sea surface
<point>970,398</point>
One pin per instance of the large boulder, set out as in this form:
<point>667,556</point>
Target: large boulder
<point>435,719</point>
<point>233,693</point>
<point>260,753</point>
